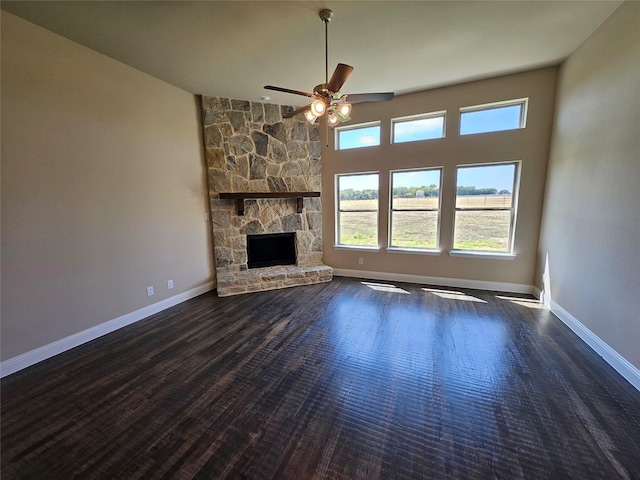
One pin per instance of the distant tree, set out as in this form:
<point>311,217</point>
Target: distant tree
<point>417,192</point>
<point>369,194</point>
<point>347,194</point>
<point>413,192</point>
<point>476,191</point>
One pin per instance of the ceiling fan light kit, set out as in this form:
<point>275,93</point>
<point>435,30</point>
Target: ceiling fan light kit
<point>326,96</point>
<point>332,118</point>
<point>344,109</point>
<point>311,118</point>
<point>318,107</point>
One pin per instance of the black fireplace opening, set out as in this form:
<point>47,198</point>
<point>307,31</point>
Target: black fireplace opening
<point>271,249</point>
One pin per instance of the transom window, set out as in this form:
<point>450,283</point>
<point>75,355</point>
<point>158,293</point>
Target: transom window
<point>493,117</point>
<point>357,209</point>
<point>415,208</point>
<point>417,127</point>
<point>485,209</point>
<point>358,136</point>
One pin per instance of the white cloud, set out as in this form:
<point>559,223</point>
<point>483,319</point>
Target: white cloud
<point>368,140</point>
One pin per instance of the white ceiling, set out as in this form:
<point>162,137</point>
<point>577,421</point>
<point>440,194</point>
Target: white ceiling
<point>234,48</point>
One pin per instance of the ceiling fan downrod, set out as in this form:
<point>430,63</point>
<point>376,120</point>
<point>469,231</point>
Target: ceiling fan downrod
<point>326,15</point>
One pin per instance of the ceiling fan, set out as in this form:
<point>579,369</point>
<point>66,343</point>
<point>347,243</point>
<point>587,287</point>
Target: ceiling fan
<point>326,96</point>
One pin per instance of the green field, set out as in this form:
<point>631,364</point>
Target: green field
<point>477,230</point>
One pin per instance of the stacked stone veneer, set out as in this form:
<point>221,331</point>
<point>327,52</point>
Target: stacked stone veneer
<point>251,148</point>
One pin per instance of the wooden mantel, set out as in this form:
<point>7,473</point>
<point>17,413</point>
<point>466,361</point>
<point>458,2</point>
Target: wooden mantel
<point>240,197</point>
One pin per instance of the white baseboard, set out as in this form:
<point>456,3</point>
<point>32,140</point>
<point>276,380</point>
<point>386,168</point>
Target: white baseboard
<point>441,281</point>
<point>537,292</point>
<point>32,357</point>
<point>613,358</point>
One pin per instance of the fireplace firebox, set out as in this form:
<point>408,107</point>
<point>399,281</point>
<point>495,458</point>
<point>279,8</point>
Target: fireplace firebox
<point>271,249</point>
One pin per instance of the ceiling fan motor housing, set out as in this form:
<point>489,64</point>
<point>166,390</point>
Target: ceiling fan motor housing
<point>322,90</point>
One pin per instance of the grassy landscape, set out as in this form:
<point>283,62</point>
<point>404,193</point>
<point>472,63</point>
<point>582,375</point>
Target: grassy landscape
<point>478,230</point>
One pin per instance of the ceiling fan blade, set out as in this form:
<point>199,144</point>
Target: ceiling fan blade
<point>369,97</point>
<point>288,90</point>
<point>340,75</point>
<point>297,111</point>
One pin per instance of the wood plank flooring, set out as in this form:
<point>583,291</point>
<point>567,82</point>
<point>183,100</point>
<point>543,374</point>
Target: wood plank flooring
<point>332,381</point>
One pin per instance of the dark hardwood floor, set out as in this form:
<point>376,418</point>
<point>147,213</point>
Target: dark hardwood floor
<point>336,381</point>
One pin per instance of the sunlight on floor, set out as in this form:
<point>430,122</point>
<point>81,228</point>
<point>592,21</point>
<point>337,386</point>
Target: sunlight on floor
<point>524,302</point>
<point>385,287</point>
<point>453,295</point>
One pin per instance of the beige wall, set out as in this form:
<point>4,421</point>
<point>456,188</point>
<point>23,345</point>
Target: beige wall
<point>529,145</point>
<point>103,189</point>
<point>591,225</point>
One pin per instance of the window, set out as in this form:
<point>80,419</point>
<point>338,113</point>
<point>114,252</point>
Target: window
<point>415,207</point>
<point>493,117</point>
<point>357,209</point>
<point>485,208</point>
<point>358,136</point>
<point>417,127</point>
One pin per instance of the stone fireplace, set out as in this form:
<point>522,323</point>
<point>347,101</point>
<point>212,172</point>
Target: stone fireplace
<point>251,149</point>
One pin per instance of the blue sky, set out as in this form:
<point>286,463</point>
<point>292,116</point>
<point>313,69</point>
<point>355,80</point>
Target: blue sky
<point>359,137</point>
<point>421,129</point>
<point>421,178</point>
<point>493,176</point>
<point>359,182</point>
<point>490,120</point>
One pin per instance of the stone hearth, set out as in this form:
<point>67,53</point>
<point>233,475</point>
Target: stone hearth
<point>251,148</point>
<point>271,278</point>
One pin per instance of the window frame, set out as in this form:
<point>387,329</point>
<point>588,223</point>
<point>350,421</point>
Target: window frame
<point>438,209</point>
<point>356,126</point>
<point>524,102</point>
<point>419,116</point>
<point>515,194</point>
<point>338,211</point>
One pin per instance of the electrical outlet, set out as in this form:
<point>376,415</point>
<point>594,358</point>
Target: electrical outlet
<point>169,284</point>
<point>360,261</point>
<point>206,216</point>
<point>149,291</point>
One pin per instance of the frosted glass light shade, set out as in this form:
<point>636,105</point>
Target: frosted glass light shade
<point>344,108</point>
<point>318,107</point>
<point>332,119</point>
<point>311,118</point>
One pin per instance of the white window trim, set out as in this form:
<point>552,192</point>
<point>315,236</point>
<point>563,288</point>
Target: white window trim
<point>429,251</point>
<point>353,248</point>
<point>414,251</point>
<point>515,195</point>
<point>488,106</point>
<point>356,126</point>
<point>337,212</point>
<point>482,254</point>
<point>419,116</point>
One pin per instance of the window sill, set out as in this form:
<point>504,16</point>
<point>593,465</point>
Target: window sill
<point>356,247</point>
<point>486,255</point>
<point>413,251</point>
